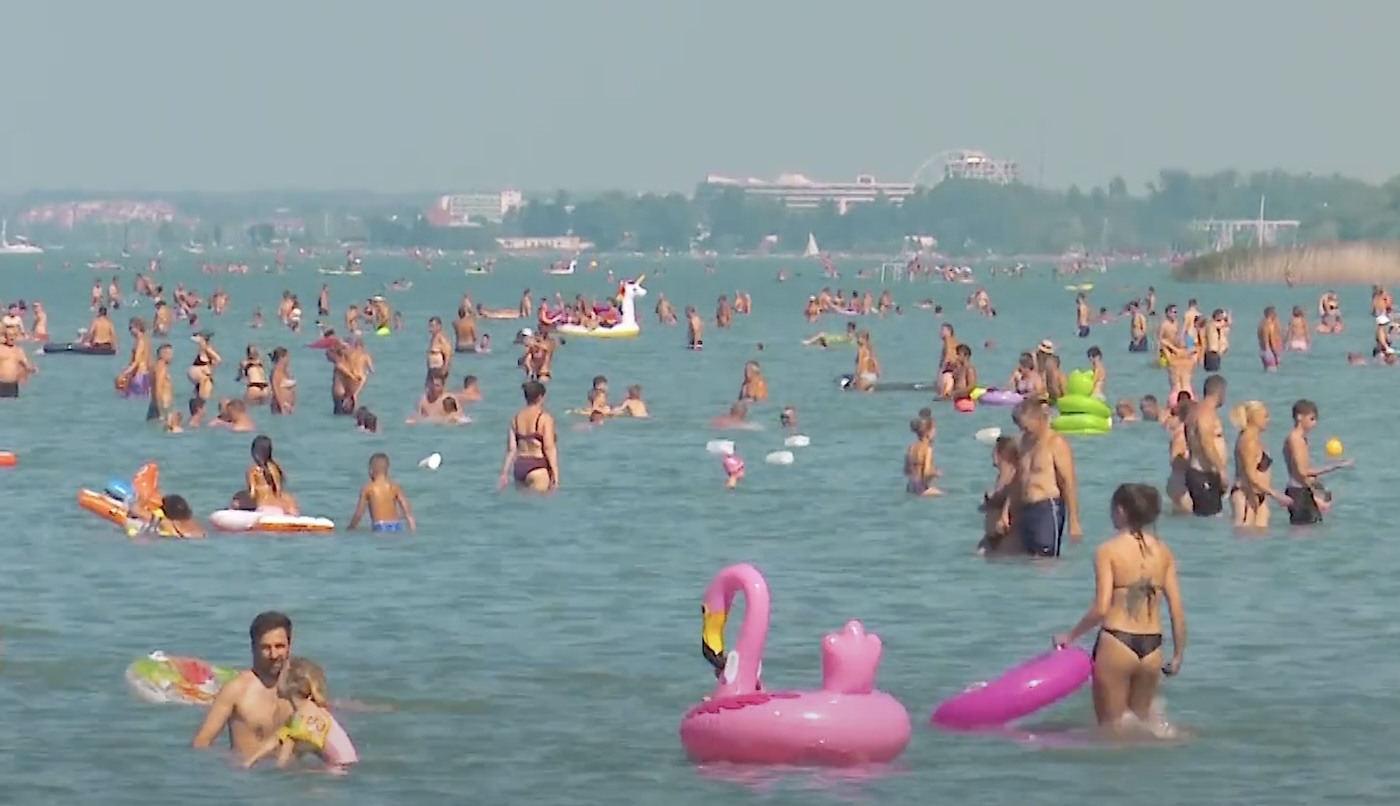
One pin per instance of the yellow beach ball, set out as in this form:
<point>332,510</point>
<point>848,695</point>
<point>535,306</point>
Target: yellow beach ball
<point>1334,447</point>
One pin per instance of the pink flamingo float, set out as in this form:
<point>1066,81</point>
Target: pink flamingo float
<point>845,722</point>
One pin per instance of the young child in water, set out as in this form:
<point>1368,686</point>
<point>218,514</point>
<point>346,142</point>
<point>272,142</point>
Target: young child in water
<point>452,412</point>
<point>311,727</point>
<point>382,496</point>
<point>996,522</point>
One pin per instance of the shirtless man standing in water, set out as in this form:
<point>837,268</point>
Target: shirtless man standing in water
<point>249,705</point>
<point>1180,357</point>
<point>439,351</point>
<point>695,326</point>
<point>1270,339</point>
<point>1205,443</point>
<point>14,364</point>
<point>1047,490</point>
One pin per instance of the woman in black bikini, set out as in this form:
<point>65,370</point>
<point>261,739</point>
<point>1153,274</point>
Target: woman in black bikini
<point>254,375</point>
<point>532,452</point>
<point>201,374</point>
<point>1133,570</point>
<point>1249,498</point>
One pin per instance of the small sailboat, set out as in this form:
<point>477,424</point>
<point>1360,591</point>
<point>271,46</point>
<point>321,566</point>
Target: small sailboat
<point>811,250</point>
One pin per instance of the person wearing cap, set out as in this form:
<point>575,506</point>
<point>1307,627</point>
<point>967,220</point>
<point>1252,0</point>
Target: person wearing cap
<point>524,335</point>
<point>1048,364</point>
<point>1383,347</point>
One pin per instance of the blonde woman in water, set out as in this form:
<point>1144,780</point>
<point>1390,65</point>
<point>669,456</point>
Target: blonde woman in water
<point>919,469</point>
<point>1133,572</point>
<point>1249,497</point>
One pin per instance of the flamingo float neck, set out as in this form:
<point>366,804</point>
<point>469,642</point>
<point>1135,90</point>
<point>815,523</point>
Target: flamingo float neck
<point>738,668</point>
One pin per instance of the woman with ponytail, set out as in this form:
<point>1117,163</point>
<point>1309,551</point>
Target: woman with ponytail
<point>1134,571</point>
<point>266,480</point>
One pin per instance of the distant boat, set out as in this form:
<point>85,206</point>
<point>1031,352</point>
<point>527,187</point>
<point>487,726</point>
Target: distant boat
<point>339,272</point>
<point>194,248</point>
<point>476,270</point>
<point>104,265</point>
<point>19,246</point>
<point>811,250</point>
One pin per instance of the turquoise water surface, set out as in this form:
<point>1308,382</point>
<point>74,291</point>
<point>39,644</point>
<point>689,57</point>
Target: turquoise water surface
<point>542,651</point>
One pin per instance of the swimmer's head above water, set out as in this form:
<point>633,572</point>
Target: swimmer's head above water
<point>788,417</point>
<point>176,508</point>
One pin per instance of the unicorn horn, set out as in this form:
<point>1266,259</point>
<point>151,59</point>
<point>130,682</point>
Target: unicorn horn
<point>639,279</point>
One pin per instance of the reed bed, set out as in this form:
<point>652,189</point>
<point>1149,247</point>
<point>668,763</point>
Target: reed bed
<point>1360,262</point>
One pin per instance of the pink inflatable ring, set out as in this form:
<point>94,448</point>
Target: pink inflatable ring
<point>1039,682</point>
<point>845,722</point>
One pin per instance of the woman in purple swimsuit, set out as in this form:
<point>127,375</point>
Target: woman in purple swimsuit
<point>532,452</point>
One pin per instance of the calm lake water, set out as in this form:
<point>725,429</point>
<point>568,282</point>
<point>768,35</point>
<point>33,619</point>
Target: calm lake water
<point>529,651</point>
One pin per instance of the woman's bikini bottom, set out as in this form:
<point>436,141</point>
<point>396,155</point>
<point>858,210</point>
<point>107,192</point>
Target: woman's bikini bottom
<point>525,465</point>
<point>1141,644</point>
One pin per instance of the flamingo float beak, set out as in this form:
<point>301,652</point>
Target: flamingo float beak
<point>712,637</point>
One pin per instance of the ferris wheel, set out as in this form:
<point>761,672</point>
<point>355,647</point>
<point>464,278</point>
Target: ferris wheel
<point>964,163</point>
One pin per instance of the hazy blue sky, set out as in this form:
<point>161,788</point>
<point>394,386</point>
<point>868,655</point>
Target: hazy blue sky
<point>653,94</point>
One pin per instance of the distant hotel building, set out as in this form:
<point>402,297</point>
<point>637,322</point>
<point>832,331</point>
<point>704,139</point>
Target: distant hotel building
<point>798,192</point>
<point>458,209</point>
<point>978,166</point>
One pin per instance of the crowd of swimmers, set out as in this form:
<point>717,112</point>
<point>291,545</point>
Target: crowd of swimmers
<point>1032,503</point>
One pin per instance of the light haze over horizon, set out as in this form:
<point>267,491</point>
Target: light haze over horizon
<point>165,95</point>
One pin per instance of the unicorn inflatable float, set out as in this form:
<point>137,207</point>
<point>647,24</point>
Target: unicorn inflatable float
<point>626,327</point>
<point>844,722</point>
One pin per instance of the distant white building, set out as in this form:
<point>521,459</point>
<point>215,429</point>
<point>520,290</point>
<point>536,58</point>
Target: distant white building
<point>800,193</point>
<point>458,209</point>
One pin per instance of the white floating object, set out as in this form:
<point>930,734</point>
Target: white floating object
<point>779,458</point>
<point>723,447</point>
<point>432,461</point>
<point>797,441</point>
<point>988,436</point>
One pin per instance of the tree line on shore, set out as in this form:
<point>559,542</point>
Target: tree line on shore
<point>967,218</point>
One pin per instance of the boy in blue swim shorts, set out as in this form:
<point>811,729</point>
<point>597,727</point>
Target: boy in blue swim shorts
<point>384,499</point>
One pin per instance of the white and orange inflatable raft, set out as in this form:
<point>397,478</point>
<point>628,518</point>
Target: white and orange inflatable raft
<point>272,522</point>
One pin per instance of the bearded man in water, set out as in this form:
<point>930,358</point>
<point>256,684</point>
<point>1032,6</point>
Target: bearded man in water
<point>249,705</point>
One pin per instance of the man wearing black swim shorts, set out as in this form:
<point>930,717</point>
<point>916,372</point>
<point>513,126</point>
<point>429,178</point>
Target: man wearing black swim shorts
<point>1045,474</point>
<point>1205,442</point>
